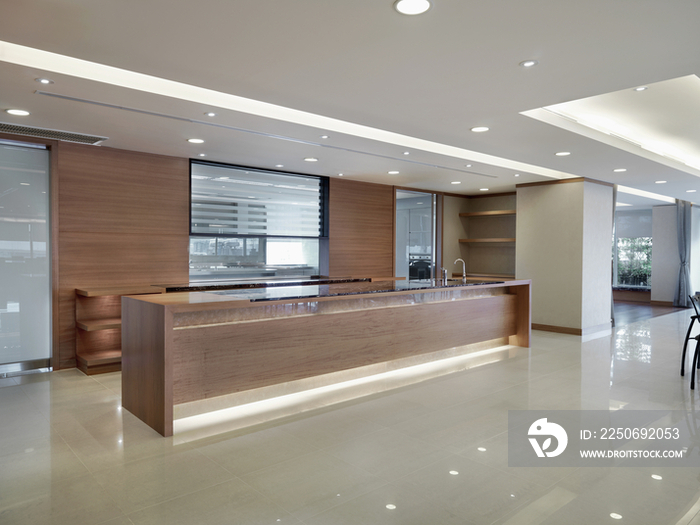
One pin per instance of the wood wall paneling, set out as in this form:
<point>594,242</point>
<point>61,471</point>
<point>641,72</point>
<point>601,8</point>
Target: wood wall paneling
<point>361,237</point>
<point>123,219</point>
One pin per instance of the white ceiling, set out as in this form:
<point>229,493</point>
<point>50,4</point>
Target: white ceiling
<point>385,84</point>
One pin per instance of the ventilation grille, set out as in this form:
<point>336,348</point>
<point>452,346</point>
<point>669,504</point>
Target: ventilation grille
<point>50,134</point>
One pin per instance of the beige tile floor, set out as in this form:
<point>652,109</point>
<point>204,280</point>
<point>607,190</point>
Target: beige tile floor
<point>70,455</point>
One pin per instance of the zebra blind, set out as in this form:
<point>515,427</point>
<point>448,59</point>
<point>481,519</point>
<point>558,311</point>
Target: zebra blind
<point>227,200</point>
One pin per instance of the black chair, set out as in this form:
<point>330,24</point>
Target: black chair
<point>693,318</point>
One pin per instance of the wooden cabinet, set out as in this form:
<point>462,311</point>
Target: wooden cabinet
<point>489,244</point>
<point>98,326</point>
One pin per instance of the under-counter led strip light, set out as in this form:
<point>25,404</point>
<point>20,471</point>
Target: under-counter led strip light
<point>196,426</point>
<point>47,61</point>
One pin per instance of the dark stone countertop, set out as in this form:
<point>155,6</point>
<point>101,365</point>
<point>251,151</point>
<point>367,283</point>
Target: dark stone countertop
<point>275,293</point>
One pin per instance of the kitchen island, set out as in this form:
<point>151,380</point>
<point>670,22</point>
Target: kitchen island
<point>188,352</point>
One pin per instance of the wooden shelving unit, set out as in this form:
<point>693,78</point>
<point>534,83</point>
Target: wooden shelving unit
<point>98,326</point>
<point>489,244</point>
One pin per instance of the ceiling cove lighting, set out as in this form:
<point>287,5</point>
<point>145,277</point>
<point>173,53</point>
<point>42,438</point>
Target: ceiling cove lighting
<point>479,129</point>
<point>412,7</point>
<point>17,112</point>
<point>195,141</point>
<point>529,63</point>
<point>95,72</point>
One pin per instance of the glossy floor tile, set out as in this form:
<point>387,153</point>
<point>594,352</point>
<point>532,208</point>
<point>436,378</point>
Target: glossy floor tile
<point>432,453</point>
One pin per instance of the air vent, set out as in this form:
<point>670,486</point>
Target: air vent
<point>66,136</point>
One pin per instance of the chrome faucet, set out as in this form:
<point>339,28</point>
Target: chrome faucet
<point>464,270</point>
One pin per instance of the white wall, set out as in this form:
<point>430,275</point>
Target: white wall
<point>665,262</point>
<point>564,244</point>
<point>549,250</point>
<point>597,257</point>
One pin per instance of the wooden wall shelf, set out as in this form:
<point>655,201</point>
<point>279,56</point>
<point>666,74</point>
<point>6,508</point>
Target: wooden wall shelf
<point>493,213</point>
<point>504,239</point>
<point>93,325</point>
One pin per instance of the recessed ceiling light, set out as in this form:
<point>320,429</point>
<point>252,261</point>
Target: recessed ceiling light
<point>393,172</point>
<point>690,191</point>
<point>25,184</point>
<point>324,136</point>
<point>390,506</point>
<point>412,7</point>
<point>483,189</point>
<point>340,174</point>
<point>454,472</point>
<point>311,159</point>
<point>615,516</point>
<point>481,449</point>
<point>620,170</point>
<point>195,141</point>
<point>641,88</point>
<point>563,153</point>
<point>516,175</point>
<point>656,477</point>
<point>406,152</point>
<point>279,165</point>
<point>456,182</point>
<point>17,112</point>
<point>529,63</point>
<point>210,114</point>
<point>202,154</point>
<point>479,129</point>
<point>44,80</point>
<point>467,165</point>
<point>660,182</point>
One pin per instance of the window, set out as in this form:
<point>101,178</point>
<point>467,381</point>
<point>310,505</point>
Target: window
<point>632,248</point>
<point>254,223</point>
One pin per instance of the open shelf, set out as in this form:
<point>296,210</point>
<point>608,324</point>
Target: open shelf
<point>119,290</point>
<point>503,239</point>
<point>99,361</point>
<point>493,213</point>
<point>98,325</point>
<point>93,325</point>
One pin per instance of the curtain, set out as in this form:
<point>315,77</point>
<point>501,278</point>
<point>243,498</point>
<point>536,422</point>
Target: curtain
<point>683,290</point>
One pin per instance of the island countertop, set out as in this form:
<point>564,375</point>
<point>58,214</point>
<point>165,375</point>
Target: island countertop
<point>194,350</point>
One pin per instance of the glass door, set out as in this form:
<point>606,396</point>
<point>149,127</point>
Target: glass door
<point>25,262</point>
<point>415,235</point>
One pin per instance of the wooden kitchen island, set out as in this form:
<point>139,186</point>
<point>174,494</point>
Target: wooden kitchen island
<point>212,349</point>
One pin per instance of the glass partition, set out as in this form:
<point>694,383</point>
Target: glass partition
<point>25,284</point>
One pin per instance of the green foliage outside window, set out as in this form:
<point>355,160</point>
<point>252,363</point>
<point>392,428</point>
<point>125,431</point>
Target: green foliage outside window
<point>634,261</point>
